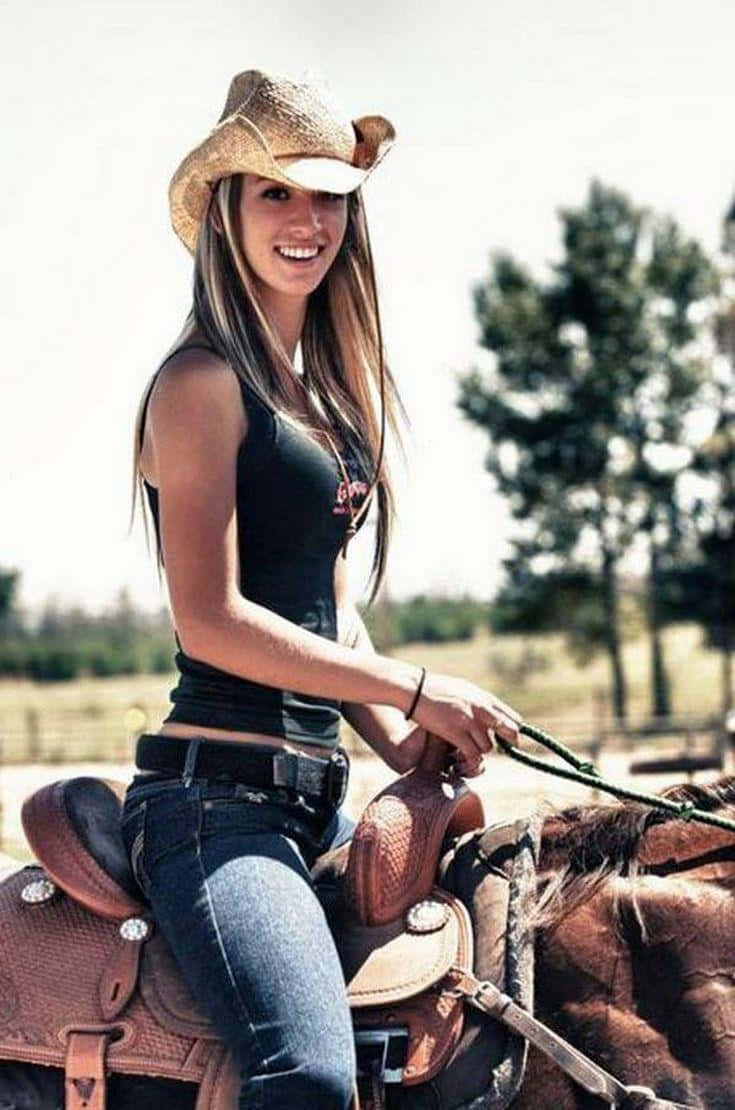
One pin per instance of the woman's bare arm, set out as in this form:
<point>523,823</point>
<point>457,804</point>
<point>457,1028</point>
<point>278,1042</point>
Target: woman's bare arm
<point>197,424</point>
<point>384,728</point>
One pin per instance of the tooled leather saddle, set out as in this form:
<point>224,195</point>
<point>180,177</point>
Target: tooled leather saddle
<point>88,984</point>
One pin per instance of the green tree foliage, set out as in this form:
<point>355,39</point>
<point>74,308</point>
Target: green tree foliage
<point>713,513</point>
<point>593,375</point>
<point>8,595</point>
<point>424,618</point>
<point>436,619</point>
<point>68,642</point>
<point>566,600</point>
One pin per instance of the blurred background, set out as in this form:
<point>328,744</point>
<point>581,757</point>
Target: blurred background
<point>554,233</point>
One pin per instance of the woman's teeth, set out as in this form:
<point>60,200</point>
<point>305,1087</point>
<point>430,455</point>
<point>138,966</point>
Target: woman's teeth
<point>299,254</point>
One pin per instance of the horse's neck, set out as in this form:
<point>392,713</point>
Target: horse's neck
<point>680,845</point>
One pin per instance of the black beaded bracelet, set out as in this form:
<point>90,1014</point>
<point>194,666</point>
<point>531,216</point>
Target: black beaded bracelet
<point>416,695</point>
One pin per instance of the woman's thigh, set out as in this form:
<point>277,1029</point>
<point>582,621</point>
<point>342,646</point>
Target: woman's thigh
<point>230,889</point>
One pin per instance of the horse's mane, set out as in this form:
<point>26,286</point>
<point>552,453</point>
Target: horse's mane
<point>583,845</point>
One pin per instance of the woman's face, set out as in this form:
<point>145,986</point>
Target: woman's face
<point>278,220</point>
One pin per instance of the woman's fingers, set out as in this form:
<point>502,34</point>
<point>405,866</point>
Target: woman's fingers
<point>468,766</point>
<point>470,770</point>
<point>508,732</point>
<point>482,737</point>
<point>505,721</point>
<point>506,711</point>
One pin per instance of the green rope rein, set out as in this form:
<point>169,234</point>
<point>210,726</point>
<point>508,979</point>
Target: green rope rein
<point>587,774</point>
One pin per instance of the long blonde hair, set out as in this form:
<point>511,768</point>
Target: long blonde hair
<point>345,377</point>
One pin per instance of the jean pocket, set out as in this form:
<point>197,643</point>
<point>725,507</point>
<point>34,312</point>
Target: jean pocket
<point>171,819</point>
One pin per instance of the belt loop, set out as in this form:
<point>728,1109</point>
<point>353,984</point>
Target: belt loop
<point>192,752</point>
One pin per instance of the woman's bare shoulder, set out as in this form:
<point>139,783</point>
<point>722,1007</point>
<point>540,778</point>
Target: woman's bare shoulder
<point>196,387</point>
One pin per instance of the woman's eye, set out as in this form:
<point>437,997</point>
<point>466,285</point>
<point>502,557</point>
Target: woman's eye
<point>278,192</point>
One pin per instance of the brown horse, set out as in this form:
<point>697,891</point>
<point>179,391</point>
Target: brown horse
<point>625,923</point>
<point>634,949</point>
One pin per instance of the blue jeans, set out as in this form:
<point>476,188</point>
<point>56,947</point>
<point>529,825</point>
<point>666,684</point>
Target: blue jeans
<point>226,871</point>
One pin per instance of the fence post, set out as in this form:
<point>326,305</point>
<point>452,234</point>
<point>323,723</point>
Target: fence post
<point>33,735</point>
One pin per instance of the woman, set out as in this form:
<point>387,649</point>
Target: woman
<point>257,477</point>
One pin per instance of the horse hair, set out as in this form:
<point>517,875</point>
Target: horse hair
<point>599,841</point>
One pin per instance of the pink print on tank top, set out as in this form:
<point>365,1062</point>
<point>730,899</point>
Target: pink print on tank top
<point>345,494</point>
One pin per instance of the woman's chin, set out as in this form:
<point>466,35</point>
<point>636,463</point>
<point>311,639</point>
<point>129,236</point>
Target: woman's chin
<point>301,284</point>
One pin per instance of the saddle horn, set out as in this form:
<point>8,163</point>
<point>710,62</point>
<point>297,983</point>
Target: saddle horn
<point>395,848</point>
<point>436,756</point>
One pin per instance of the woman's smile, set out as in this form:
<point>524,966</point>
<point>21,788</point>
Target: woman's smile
<point>301,256</point>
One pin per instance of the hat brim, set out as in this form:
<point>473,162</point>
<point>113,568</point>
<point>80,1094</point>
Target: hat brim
<point>328,174</point>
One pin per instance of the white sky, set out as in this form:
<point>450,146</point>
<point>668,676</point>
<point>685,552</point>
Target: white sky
<point>503,112</point>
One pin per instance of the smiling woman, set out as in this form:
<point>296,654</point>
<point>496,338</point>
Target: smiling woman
<point>257,478</point>
<point>251,509</point>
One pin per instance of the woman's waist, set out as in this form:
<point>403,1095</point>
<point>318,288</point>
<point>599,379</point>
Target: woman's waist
<point>270,763</point>
<point>184,731</point>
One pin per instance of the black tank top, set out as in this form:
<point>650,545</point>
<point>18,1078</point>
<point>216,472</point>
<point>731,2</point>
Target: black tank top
<point>292,513</point>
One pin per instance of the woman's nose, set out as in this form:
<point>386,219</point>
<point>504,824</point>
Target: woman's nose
<point>306,213</point>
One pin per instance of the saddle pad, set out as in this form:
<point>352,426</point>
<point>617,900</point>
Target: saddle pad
<point>493,872</point>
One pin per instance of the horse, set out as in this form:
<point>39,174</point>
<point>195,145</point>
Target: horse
<point>617,929</point>
<point>635,949</point>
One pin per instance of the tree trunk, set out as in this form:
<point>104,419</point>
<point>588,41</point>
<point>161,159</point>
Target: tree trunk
<point>660,687</point>
<point>612,636</point>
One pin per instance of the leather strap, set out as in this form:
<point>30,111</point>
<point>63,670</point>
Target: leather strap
<point>85,1086</point>
<point>592,1077</point>
<point>120,976</point>
<point>220,1085</point>
<point>372,1095</point>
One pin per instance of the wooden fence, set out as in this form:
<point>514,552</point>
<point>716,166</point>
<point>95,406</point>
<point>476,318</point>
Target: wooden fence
<point>61,735</point>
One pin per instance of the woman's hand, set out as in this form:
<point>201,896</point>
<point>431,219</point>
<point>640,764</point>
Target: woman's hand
<point>466,717</point>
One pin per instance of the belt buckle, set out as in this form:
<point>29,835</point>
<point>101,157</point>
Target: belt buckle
<point>338,773</point>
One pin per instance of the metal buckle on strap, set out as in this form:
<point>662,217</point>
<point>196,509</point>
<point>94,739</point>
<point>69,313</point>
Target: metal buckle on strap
<point>382,1053</point>
<point>338,774</point>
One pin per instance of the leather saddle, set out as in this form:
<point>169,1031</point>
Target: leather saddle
<point>89,985</point>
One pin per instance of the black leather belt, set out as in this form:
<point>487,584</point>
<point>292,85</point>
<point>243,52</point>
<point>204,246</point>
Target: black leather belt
<point>322,779</point>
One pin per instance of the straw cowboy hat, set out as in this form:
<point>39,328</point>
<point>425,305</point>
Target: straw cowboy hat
<point>282,129</point>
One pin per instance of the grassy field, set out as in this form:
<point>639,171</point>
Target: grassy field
<point>98,718</point>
